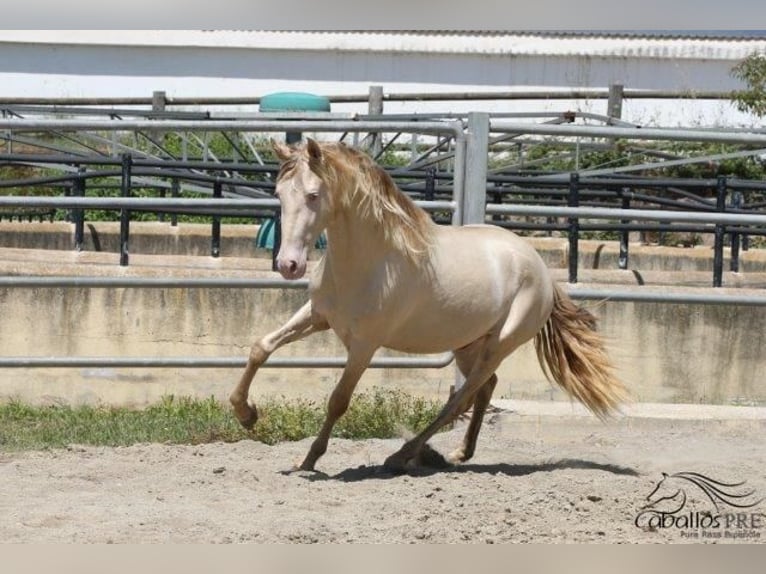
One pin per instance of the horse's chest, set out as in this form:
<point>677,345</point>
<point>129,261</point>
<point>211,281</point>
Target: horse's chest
<point>350,316</point>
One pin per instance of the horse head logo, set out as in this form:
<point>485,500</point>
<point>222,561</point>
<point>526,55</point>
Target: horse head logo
<point>670,493</point>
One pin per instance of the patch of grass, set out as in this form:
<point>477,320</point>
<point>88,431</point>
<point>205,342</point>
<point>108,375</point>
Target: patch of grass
<point>183,420</point>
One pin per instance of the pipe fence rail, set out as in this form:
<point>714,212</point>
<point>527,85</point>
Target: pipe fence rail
<point>420,362</point>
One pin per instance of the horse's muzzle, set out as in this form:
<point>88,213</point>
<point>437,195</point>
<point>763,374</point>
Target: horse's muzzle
<point>291,268</point>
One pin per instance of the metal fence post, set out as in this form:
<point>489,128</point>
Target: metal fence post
<point>375,108</point>
<point>614,103</point>
<point>720,232</point>
<point>474,196</point>
<point>430,184</point>
<point>79,214</point>
<point>215,247</point>
<point>736,237</point>
<point>127,162</point>
<point>159,100</point>
<point>277,239</point>
<point>175,189</point>
<point>624,234</point>
<point>573,200</point>
<point>475,190</point>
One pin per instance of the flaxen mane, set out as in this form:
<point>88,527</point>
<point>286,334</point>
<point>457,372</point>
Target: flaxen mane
<point>356,181</point>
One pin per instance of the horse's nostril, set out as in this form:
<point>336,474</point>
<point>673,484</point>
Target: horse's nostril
<point>293,266</point>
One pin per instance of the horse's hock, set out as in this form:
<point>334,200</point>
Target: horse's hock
<point>663,352</point>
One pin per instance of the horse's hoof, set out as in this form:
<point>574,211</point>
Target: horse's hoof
<point>457,456</point>
<point>432,458</point>
<point>397,464</point>
<point>401,462</point>
<point>247,415</point>
<point>307,473</point>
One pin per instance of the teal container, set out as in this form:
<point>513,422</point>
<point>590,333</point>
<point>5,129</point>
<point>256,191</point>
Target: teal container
<point>294,102</point>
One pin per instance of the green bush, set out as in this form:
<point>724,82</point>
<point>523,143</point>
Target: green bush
<point>184,420</point>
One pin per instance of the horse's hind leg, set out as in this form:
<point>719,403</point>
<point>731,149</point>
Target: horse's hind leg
<point>465,359</point>
<point>302,324</point>
<point>526,317</point>
<point>480,404</point>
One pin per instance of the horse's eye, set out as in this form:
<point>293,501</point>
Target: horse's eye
<point>312,196</point>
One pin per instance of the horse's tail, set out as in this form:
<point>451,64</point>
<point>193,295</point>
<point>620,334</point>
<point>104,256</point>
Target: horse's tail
<point>572,354</point>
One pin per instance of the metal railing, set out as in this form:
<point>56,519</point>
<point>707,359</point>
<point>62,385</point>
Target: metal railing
<point>468,204</point>
<point>217,206</point>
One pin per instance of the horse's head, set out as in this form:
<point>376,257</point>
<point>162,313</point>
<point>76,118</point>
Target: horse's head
<point>305,204</point>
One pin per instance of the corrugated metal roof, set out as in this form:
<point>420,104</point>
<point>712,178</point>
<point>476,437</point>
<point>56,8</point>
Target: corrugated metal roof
<point>621,44</point>
<point>708,45</point>
<point>743,35</point>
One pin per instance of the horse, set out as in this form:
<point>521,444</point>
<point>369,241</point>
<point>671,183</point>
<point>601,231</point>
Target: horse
<point>390,277</point>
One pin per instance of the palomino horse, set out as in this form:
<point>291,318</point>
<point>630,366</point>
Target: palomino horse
<point>392,278</point>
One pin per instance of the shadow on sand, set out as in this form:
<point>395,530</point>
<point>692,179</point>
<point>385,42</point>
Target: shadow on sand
<point>380,472</point>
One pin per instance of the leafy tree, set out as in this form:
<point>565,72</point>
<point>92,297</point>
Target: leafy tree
<point>752,71</point>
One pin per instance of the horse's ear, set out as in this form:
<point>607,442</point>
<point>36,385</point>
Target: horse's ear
<point>282,151</point>
<point>313,149</point>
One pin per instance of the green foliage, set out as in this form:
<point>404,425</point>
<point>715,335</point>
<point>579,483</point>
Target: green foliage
<point>752,71</point>
<point>183,420</point>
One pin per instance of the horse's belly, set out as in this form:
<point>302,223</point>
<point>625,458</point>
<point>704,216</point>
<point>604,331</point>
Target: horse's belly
<point>443,329</point>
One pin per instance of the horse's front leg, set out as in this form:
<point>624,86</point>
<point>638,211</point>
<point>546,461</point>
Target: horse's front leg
<point>302,324</point>
<point>359,357</point>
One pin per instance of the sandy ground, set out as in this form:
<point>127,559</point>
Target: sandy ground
<point>535,478</point>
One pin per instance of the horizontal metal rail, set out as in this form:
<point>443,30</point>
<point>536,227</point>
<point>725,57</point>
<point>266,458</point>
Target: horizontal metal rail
<point>641,295</point>
<point>583,93</point>
<point>263,125</point>
<point>53,281</point>
<point>673,134</point>
<point>431,362</point>
<point>628,214</point>
<point>168,203</point>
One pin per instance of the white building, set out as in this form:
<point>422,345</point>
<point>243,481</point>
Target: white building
<point>195,63</point>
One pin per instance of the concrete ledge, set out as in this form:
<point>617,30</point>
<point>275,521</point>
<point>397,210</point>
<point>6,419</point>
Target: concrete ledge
<point>636,410</point>
<point>238,240</point>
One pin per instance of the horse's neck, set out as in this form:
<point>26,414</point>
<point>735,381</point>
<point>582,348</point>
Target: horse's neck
<point>357,248</point>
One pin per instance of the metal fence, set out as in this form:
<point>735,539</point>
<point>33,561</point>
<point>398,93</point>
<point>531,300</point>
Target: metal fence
<point>216,206</point>
<point>464,197</point>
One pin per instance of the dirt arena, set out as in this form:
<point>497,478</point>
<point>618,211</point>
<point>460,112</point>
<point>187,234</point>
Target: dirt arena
<point>534,479</point>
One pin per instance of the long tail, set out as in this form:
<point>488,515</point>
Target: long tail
<point>572,354</point>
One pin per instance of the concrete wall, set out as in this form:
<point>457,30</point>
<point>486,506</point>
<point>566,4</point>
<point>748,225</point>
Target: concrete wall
<point>668,353</point>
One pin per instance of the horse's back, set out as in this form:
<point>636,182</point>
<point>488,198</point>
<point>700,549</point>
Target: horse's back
<point>489,254</point>
<point>474,275</point>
